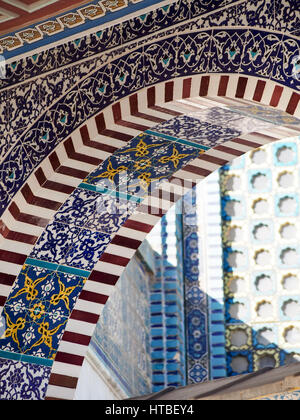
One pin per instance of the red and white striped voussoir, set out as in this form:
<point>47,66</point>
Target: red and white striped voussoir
<point>47,189</point>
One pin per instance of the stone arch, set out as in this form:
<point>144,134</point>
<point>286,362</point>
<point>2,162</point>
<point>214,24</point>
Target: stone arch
<point>122,91</point>
<point>69,356</point>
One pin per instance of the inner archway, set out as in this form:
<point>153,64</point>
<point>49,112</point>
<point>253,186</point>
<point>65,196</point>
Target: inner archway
<point>124,242</point>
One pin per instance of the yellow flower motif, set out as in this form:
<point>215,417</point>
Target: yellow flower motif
<point>142,164</point>
<point>110,173</point>
<point>175,158</point>
<point>37,311</point>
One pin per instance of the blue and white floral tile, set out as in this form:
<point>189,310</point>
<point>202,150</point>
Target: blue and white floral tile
<point>127,74</point>
<point>261,52</point>
<point>4,121</point>
<point>78,208</point>
<point>193,53</point>
<point>199,7</point>
<point>110,214</point>
<point>55,242</point>
<point>161,18</point>
<point>96,90</point>
<point>101,212</point>
<point>40,140</point>
<point>15,169</point>
<point>36,64</point>
<point>67,114</point>
<point>256,13</point>
<point>286,15</point>
<point>86,249</point>
<point>25,105</point>
<point>226,51</point>
<point>23,381</point>
<point>197,131</point>
<point>14,74</point>
<point>223,17</point>
<point>105,39</point>
<point>183,127</point>
<point>160,61</point>
<point>54,85</point>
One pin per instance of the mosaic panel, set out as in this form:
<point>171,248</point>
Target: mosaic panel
<point>22,381</point>
<point>164,61</point>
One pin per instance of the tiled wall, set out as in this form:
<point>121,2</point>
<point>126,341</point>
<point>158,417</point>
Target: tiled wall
<point>261,260</point>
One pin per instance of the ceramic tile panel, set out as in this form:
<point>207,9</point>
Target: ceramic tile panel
<point>259,112</point>
<point>23,381</point>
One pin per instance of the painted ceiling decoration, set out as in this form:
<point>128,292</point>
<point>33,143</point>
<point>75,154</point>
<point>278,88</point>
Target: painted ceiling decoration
<point>89,15</point>
<point>168,100</point>
<point>16,14</point>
